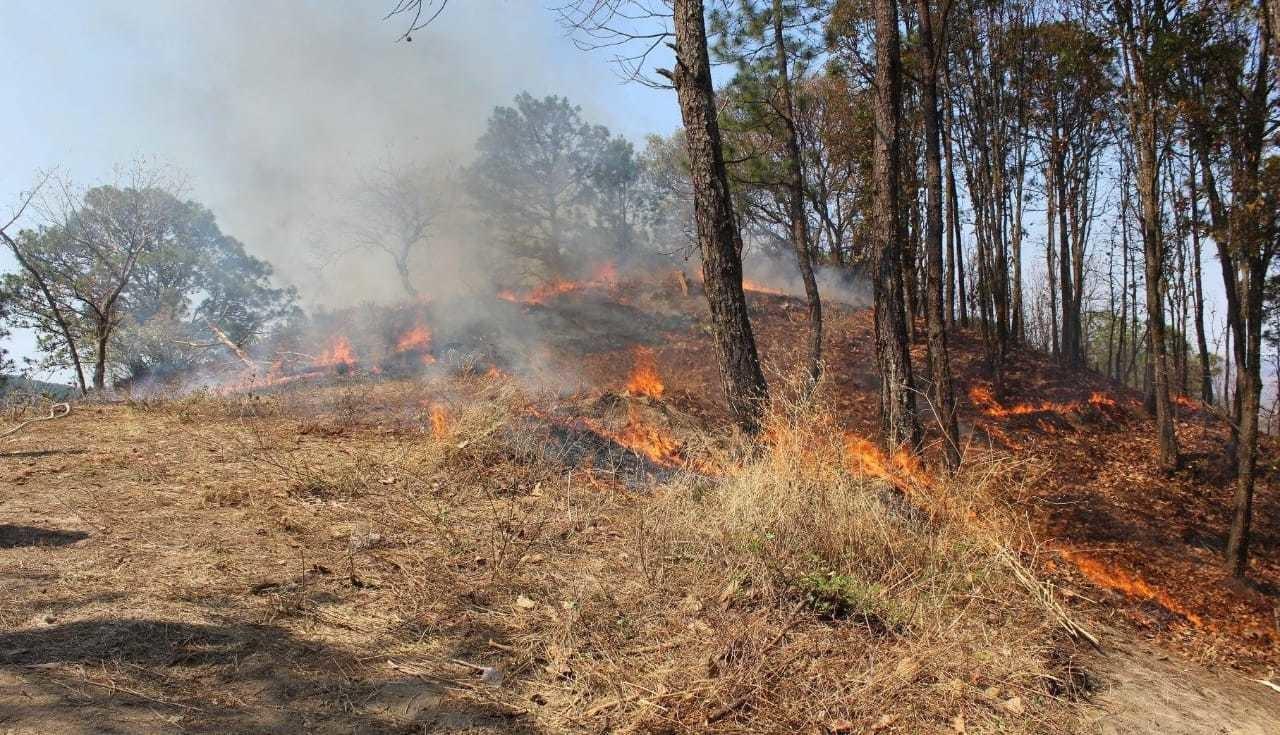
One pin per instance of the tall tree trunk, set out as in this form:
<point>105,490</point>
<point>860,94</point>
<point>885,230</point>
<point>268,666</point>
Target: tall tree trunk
<point>402,270</point>
<point>899,423</point>
<point>1018,328</point>
<point>1070,329</point>
<point>1118,373</point>
<point>939,360</point>
<point>1051,256</point>
<point>1253,237</point>
<point>102,335</point>
<point>719,239</point>
<point>954,237</point>
<point>1144,123</point>
<point>1273,26</point>
<point>1153,256</point>
<point>795,196</point>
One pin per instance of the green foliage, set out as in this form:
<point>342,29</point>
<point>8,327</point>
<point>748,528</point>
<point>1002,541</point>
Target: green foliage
<point>554,186</point>
<point>149,272</point>
<point>835,595</point>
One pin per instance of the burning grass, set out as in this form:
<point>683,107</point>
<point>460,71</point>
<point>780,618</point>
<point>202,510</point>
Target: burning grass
<point>797,588</point>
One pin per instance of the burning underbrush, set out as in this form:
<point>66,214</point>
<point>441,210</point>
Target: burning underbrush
<point>789,584</point>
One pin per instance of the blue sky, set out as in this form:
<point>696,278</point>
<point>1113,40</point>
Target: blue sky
<point>263,104</point>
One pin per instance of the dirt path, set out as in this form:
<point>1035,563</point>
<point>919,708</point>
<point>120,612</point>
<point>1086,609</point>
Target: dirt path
<point>1149,690</point>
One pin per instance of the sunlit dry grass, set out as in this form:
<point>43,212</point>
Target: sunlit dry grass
<point>769,587</point>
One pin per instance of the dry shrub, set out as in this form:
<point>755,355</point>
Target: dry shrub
<point>192,406</point>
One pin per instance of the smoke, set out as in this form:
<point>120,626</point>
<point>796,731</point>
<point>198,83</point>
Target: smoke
<point>779,271</point>
<point>278,109</point>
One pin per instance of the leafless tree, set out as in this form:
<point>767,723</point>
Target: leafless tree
<point>394,209</point>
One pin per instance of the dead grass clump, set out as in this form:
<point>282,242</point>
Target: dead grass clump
<point>193,406</point>
<point>835,601</point>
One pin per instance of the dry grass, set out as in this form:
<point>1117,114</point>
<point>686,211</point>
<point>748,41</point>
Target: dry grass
<point>785,594</point>
<point>440,521</point>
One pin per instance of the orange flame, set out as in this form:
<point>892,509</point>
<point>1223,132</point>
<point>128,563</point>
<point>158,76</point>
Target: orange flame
<point>984,399</point>
<point>439,418</point>
<point>338,354</point>
<point>415,340</point>
<point>750,285</point>
<point>649,441</point>
<point>1101,399</point>
<point>1128,584</point>
<point>548,291</point>
<point>902,469</point>
<point>644,379</point>
<point>606,274</point>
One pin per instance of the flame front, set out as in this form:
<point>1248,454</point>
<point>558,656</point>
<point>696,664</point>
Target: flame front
<point>750,285</point>
<point>415,340</point>
<point>338,354</point>
<point>649,441</point>
<point>983,398</point>
<point>644,379</point>
<point>902,469</point>
<point>1131,585</point>
<point>439,417</point>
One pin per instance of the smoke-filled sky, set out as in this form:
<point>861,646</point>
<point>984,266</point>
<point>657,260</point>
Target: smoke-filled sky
<point>272,108</point>
<point>269,107</point>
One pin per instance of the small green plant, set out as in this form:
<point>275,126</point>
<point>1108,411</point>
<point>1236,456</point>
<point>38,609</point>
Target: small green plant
<point>835,595</point>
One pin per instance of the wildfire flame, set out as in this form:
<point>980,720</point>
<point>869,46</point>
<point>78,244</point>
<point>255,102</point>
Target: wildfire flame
<point>648,440</point>
<point>547,291</point>
<point>337,354</point>
<point>414,340</point>
<point>1101,399</point>
<point>902,469</point>
<point>983,398</point>
<point>604,276</point>
<point>750,285</point>
<point>1113,578</point>
<point>439,417</point>
<point>644,379</point>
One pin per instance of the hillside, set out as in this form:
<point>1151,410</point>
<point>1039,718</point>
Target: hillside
<point>575,542</point>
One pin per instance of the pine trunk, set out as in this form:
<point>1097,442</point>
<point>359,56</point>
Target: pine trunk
<point>719,239</point>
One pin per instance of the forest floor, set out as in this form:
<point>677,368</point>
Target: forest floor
<point>456,553</point>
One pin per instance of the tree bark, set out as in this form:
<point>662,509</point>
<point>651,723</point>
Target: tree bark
<point>795,197</point>
<point>944,402</point>
<point>1202,342</point>
<point>954,242</point>
<point>899,424</point>
<point>719,239</point>
<point>1144,125</point>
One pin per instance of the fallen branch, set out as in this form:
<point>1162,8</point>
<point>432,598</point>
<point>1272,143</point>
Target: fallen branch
<point>1044,594</point>
<point>53,414</point>
<point>230,344</point>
